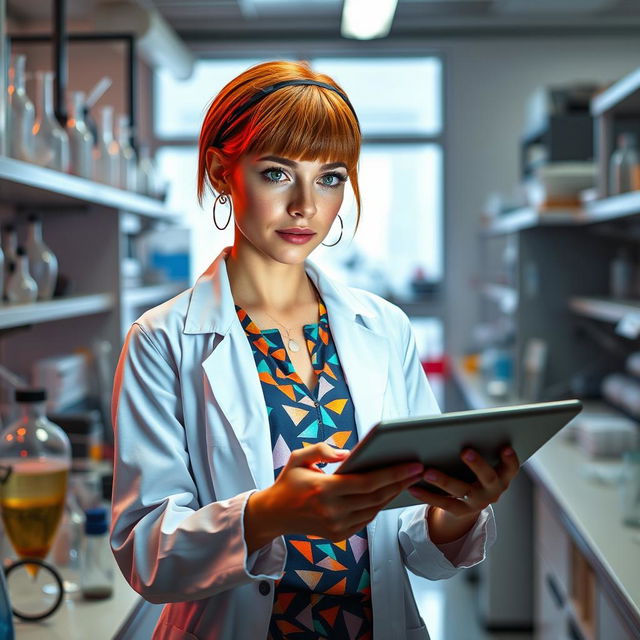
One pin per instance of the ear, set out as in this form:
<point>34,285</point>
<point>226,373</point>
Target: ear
<point>215,170</point>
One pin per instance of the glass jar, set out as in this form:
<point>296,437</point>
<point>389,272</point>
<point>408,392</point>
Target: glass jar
<point>35,457</point>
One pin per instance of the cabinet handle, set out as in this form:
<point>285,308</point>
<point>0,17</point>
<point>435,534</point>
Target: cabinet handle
<point>555,592</point>
<point>573,631</point>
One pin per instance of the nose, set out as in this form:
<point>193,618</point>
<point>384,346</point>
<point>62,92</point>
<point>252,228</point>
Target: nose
<point>302,202</point>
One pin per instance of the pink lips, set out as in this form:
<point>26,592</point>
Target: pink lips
<point>296,235</point>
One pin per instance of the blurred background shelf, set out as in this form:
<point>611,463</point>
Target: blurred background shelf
<point>528,217</point>
<point>604,309</point>
<point>58,309</point>
<point>152,294</point>
<point>30,184</point>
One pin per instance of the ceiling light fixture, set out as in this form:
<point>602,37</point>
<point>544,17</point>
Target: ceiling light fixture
<point>365,20</point>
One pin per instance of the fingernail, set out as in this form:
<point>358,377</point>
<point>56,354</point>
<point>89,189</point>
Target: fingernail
<point>341,452</point>
<point>470,456</point>
<point>508,451</point>
<point>414,469</point>
<point>431,475</point>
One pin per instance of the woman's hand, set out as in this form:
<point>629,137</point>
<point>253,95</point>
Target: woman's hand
<point>466,500</point>
<point>304,500</point>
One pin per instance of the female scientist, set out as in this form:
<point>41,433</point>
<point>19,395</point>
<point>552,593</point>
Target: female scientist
<point>231,399</point>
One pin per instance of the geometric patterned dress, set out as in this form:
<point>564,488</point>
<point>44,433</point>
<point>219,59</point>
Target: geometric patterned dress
<point>325,591</point>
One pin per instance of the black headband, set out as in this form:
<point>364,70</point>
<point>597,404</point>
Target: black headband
<point>263,93</point>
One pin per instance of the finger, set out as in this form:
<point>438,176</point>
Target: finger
<point>317,453</point>
<point>377,499</point>
<point>370,481</point>
<point>485,473</point>
<point>509,465</point>
<point>452,505</point>
<point>452,486</point>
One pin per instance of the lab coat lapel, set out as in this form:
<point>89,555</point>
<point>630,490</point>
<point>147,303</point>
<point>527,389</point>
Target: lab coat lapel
<point>363,353</point>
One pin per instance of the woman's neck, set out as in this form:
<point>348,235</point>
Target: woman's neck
<point>260,283</point>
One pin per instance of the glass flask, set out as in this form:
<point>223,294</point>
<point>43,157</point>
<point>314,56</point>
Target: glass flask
<point>107,151</point>
<point>43,264</point>
<point>51,140</point>
<point>35,458</point>
<point>21,112</point>
<point>80,138</point>
<point>9,249</point>
<point>21,287</point>
<point>128,163</point>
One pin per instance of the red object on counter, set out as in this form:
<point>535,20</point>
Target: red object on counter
<point>440,366</point>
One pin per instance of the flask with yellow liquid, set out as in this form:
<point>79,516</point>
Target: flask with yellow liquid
<point>35,458</point>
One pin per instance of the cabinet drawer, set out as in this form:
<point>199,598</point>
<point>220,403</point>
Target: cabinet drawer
<point>552,542</point>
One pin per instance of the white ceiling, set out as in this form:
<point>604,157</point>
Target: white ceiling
<point>217,20</point>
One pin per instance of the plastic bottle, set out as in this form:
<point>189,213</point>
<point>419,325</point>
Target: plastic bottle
<point>96,580</point>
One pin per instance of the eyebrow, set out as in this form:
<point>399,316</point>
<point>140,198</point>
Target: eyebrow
<point>291,163</point>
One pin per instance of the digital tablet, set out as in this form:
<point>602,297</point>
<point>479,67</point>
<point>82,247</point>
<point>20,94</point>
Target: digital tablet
<point>437,440</point>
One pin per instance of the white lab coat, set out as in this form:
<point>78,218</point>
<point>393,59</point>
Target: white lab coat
<point>192,443</point>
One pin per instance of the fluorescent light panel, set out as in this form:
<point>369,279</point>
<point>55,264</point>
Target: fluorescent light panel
<point>367,19</point>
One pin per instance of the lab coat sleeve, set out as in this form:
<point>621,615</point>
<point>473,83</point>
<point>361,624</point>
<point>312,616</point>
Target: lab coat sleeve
<point>419,553</point>
<point>169,547</point>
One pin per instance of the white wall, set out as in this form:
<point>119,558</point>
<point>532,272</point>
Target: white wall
<point>489,82</point>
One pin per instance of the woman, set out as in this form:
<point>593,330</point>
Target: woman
<point>267,369</point>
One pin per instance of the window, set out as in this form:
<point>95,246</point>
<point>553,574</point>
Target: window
<point>399,105</point>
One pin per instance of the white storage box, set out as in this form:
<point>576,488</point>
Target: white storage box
<point>65,377</point>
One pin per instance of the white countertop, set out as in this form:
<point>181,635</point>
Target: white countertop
<point>595,511</point>
<point>593,508</point>
<point>79,619</point>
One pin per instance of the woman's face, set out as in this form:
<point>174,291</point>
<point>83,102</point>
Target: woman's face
<point>272,194</point>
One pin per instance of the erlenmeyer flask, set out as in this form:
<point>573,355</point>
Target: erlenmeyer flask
<point>35,457</point>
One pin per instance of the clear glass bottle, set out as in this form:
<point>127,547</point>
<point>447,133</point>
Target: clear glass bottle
<point>21,287</point>
<point>51,140</point>
<point>96,579</point>
<point>107,151</point>
<point>145,170</point>
<point>21,112</point>
<point>624,166</point>
<point>128,161</point>
<point>80,138</point>
<point>10,250</point>
<point>43,264</point>
<point>35,457</point>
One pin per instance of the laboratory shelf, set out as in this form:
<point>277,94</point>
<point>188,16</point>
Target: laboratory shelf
<point>623,96</point>
<point>605,309</point>
<point>16,315</point>
<point>152,294</point>
<point>613,208</point>
<point>29,184</point>
<point>527,218</point>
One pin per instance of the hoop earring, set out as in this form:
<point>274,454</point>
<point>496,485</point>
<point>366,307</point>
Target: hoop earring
<point>223,198</point>
<point>340,238</point>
